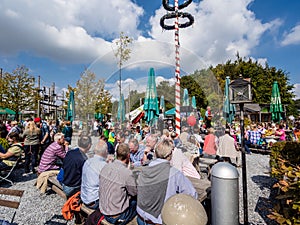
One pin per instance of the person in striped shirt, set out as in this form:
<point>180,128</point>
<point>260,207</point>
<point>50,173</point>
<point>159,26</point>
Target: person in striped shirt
<point>54,153</point>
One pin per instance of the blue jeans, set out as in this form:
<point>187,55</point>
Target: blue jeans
<point>69,191</point>
<point>247,144</point>
<point>141,222</point>
<point>124,217</point>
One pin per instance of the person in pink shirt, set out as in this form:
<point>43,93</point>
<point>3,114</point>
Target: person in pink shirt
<point>280,132</point>
<point>210,142</point>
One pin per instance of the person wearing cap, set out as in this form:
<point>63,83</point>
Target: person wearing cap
<point>158,182</point>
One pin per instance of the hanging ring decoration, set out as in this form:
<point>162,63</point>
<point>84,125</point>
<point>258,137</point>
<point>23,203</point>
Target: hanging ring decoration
<point>174,15</point>
<point>172,8</point>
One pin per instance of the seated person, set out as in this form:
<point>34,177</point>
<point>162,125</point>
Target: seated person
<point>54,154</point>
<point>136,153</point>
<point>117,189</point>
<point>13,153</point>
<point>90,175</point>
<point>158,182</point>
<point>72,166</point>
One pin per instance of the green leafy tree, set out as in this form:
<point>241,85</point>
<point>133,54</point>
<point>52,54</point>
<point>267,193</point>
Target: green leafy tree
<point>262,78</point>
<point>103,104</point>
<point>88,89</point>
<point>18,92</point>
<point>168,91</point>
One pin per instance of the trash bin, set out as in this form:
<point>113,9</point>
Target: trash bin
<point>224,194</point>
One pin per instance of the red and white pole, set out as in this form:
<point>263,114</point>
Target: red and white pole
<point>177,71</point>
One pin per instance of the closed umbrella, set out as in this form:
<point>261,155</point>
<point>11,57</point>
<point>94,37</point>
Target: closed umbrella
<point>276,106</point>
<point>162,106</point>
<point>71,108</point>
<point>151,108</point>
<point>121,109</point>
<point>186,101</point>
<point>228,108</point>
<point>194,104</point>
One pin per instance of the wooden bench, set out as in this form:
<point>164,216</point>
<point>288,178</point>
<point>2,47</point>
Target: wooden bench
<point>54,184</point>
<point>8,202</point>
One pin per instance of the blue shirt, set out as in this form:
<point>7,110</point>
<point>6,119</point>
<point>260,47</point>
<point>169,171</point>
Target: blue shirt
<point>137,157</point>
<point>90,179</point>
<point>177,184</point>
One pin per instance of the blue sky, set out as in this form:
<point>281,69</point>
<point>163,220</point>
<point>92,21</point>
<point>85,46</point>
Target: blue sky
<point>59,39</point>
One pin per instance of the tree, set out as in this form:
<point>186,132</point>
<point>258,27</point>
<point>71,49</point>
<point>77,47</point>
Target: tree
<point>103,104</point>
<point>167,90</point>
<point>19,93</point>
<point>122,54</point>
<point>262,78</point>
<point>88,89</point>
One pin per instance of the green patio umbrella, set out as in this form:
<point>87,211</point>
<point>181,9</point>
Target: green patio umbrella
<point>151,108</point>
<point>170,112</point>
<point>276,106</point>
<point>71,108</point>
<point>186,101</point>
<point>162,106</point>
<point>228,108</point>
<point>121,109</point>
<point>194,104</point>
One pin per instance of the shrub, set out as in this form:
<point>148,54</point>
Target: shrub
<point>285,164</point>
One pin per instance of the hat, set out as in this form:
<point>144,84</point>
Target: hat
<point>37,119</point>
<point>14,123</point>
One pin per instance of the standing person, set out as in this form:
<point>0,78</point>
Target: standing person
<point>68,132</point>
<point>111,141</point>
<point>55,153</point>
<point>31,137</point>
<point>45,139</point>
<point>95,127</point>
<point>117,190</point>
<point>157,183</point>
<point>90,176</point>
<point>72,166</point>
<point>208,117</point>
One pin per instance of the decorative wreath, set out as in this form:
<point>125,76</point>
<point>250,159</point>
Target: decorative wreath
<point>172,8</point>
<point>174,15</point>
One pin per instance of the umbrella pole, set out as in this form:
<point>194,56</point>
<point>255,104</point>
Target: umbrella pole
<point>177,72</point>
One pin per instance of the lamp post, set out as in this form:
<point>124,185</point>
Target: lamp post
<point>240,93</point>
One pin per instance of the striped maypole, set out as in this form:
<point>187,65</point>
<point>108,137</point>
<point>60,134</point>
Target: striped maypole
<point>177,71</point>
<point>175,14</point>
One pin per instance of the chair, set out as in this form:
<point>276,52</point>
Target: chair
<point>4,175</point>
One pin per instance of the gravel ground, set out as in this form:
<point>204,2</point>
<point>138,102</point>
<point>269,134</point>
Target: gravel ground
<point>36,209</point>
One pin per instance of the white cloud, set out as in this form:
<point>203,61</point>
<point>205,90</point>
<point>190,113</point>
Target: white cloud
<point>293,37</point>
<point>221,29</point>
<point>80,31</point>
<point>297,90</point>
<point>65,30</point>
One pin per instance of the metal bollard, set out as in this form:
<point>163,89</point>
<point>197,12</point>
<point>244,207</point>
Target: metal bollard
<point>224,194</point>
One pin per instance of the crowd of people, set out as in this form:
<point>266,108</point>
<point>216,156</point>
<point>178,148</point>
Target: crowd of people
<point>131,171</point>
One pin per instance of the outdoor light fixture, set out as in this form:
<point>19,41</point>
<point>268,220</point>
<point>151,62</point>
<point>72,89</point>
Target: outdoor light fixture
<point>240,93</point>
